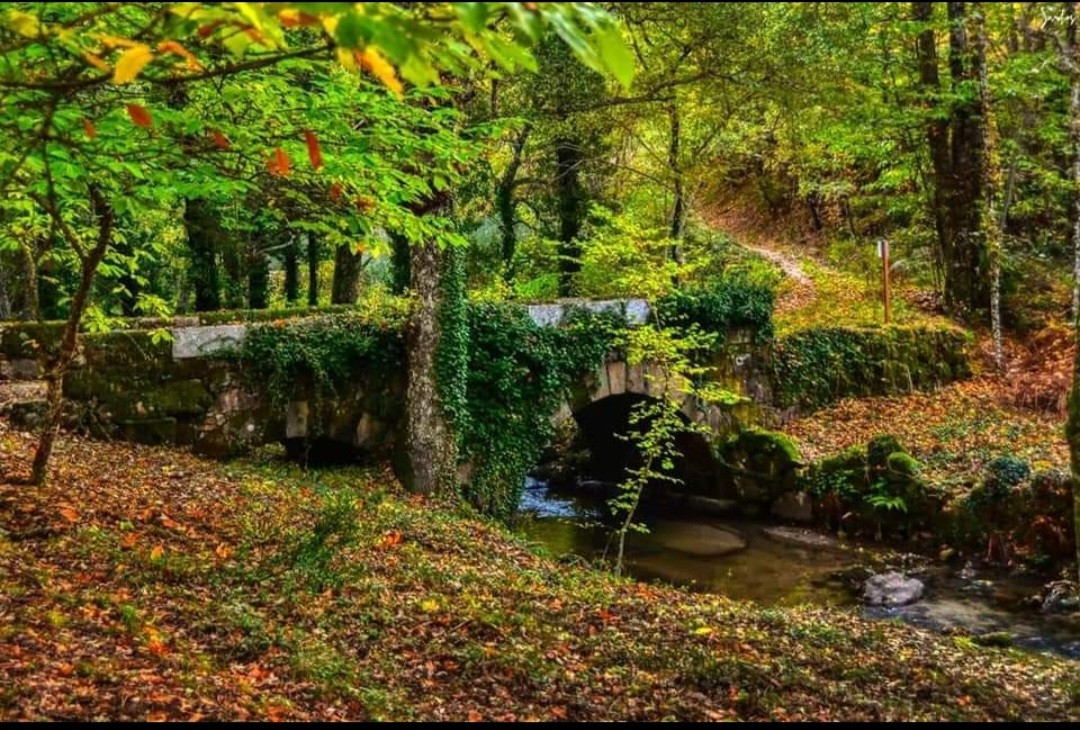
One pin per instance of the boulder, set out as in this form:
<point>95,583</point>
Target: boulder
<point>794,506</point>
<point>892,589</point>
<point>697,539</point>
<point>1061,597</point>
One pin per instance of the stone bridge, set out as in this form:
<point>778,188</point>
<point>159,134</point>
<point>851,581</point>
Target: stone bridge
<point>189,390</point>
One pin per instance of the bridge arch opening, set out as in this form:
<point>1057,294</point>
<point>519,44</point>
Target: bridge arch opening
<point>602,424</point>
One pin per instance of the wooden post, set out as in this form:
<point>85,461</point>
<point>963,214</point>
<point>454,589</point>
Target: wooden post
<point>883,252</point>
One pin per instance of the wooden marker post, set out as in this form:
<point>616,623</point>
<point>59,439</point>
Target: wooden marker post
<point>883,254</point>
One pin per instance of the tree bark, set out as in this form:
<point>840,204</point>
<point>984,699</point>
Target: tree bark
<point>258,295</point>
<point>678,208</point>
<point>506,205</point>
<point>571,197</point>
<point>1072,53</point>
<point>292,270</point>
<point>90,260</point>
<point>430,437</point>
<point>347,268</point>
<point>957,156</point>
<point>991,226</point>
<point>313,270</point>
<point>203,238</point>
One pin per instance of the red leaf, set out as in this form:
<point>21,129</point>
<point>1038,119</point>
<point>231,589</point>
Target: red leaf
<point>335,191</point>
<point>140,115</point>
<point>313,151</point>
<point>279,163</point>
<point>220,139</point>
<point>89,128</point>
<point>209,28</point>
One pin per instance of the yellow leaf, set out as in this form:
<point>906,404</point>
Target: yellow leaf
<point>131,62</point>
<point>157,552</point>
<point>372,61</point>
<point>116,42</point>
<point>429,606</point>
<point>703,631</point>
<point>24,24</point>
<point>96,61</point>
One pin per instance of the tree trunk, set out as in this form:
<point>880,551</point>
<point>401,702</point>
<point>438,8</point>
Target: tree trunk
<point>1072,434</point>
<point>347,268</point>
<point>937,129</point>
<point>1071,52</point>
<point>678,209</point>
<point>55,377</point>
<point>312,270</point>
<point>507,206</point>
<point>292,270</point>
<point>203,237</point>
<point>258,295</point>
<point>571,196</point>
<point>991,226</point>
<point>129,285</point>
<point>957,156</point>
<point>5,289</point>
<point>430,437</point>
<point>966,283</point>
<point>399,263</point>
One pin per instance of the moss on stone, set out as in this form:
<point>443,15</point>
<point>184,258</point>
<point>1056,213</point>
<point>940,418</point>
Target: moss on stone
<point>879,449</point>
<point>902,464</point>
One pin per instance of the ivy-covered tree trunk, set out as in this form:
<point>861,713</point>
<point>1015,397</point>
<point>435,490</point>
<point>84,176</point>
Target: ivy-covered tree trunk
<point>506,205</point>
<point>571,197</point>
<point>437,367</point>
<point>89,260</point>
<point>29,309</point>
<point>1072,63</point>
<point>292,269</point>
<point>1072,434</point>
<point>312,270</point>
<point>5,288</point>
<point>203,237</point>
<point>347,268</point>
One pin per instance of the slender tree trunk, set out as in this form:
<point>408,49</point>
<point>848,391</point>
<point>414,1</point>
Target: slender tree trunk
<point>292,270</point>
<point>5,287</point>
<point>347,268</point>
<point>571,196</point>
<point>258,280</point>
<point>430,436</point>
<point>507,206</point>
<point>678,208</point>
<point>90,260</point>
<point>991,226</point>
<point>1071,57</point>
<point>129,285</point>
<point>937,130</point>
<point>313,270</point>
<point>203,238</point>
<point>30,308</point>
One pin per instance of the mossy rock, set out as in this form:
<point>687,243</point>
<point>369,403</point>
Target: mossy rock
<point>843,473</point>
<point>764,464</point>
<point>880,448</point>
<point>901,465</point>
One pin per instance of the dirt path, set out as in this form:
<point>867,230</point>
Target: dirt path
<point>798,290</point>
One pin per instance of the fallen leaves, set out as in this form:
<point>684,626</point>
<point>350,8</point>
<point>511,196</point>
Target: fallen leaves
<point>465,624</point>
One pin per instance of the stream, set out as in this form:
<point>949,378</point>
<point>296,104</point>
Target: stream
<point>774,565</point>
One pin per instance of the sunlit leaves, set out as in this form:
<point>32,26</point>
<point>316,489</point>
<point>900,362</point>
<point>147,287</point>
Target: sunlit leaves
<point>131,63</point>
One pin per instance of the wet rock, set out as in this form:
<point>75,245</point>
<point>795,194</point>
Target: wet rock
<point>892,589</point>
<point>968,572</point>
<point>1061,597</point>
<point>794,506</point>
<point>802,536</point>
<point>696,539</point>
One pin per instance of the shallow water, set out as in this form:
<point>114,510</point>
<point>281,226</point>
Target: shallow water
<point>780,566</point>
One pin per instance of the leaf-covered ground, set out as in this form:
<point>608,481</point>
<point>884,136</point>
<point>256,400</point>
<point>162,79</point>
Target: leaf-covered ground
<point>954,431</point>
<point>145,583</point>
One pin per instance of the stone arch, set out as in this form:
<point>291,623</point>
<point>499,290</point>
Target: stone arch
<point>601,422</point>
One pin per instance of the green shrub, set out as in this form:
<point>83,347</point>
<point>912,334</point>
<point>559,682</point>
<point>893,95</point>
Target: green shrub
<point>879,449</point>
<point>721,305</point>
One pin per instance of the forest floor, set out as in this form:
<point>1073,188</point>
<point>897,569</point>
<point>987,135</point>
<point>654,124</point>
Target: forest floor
<point>954,431</point>
<point>147,584</point>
